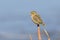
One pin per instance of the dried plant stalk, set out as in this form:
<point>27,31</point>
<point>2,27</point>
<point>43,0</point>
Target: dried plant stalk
<point>48,38</point>
<point>30,37</point>
<point>47,34</point>
<point>39,34</point>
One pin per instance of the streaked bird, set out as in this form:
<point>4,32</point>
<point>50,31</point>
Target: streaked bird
<point>36,18</point>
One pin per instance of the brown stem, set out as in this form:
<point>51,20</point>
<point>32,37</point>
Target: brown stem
<point>39,34</point>
<point>30,37</point>
<point>48,38</point>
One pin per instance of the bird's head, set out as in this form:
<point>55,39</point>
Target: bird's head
<point>33,13</point>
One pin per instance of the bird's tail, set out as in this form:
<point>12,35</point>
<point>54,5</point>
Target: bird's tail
<point>43,24</point>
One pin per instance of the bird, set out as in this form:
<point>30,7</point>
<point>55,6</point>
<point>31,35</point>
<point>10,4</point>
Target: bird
<point>36,18</point>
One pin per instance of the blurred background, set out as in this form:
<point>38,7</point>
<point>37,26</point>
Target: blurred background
<point>16,23</point>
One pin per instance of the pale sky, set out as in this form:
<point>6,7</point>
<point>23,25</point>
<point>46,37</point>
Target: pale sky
<point>15,15</point>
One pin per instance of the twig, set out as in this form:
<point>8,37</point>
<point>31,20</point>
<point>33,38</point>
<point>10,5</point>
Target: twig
<point>47,34</point>
<point>39,34</point>
<point>30,37</point>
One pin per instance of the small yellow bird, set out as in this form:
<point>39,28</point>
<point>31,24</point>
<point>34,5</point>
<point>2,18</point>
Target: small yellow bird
<point>36,18</point>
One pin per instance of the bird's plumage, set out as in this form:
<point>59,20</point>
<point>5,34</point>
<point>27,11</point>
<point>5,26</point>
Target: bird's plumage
<point>36,18</point>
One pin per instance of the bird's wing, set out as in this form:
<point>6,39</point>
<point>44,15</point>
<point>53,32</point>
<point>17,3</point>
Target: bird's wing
<point>37,19</point>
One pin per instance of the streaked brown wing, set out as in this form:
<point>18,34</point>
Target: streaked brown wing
<point>37,19</point>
